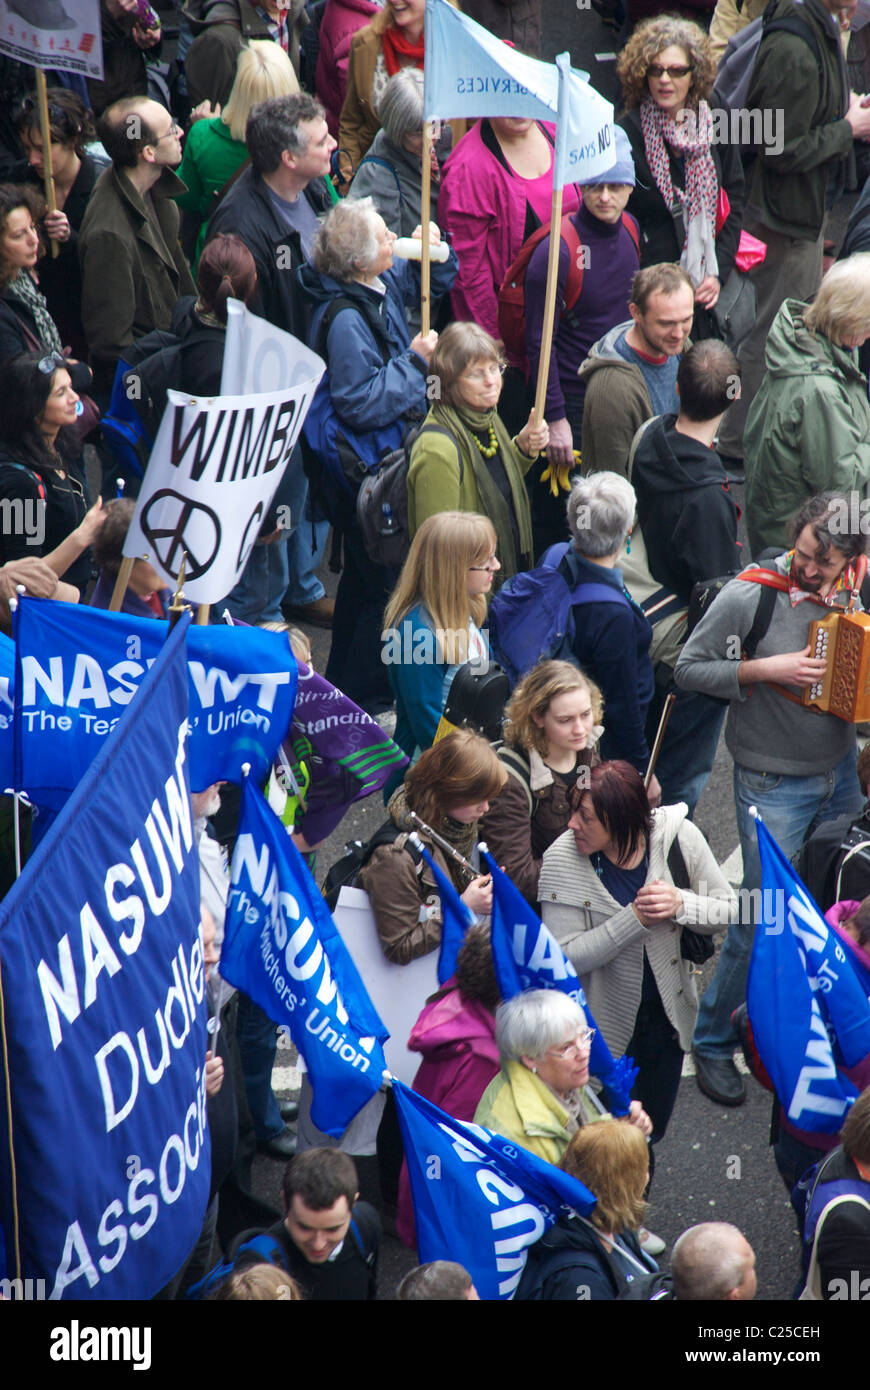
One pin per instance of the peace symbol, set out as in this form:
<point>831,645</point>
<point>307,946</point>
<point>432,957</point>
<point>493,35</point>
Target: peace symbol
<point>177,529</point>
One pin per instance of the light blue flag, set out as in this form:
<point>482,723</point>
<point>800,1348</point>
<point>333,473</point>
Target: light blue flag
<point>456,918</point>
<point>282,948</point>
<point>479,1199</point>
<point>804,999</point>
<point>526,955</point>
<point>471,73</point>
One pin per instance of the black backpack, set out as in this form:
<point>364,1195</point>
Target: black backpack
<point>154,369</point>
<point>345,872</point>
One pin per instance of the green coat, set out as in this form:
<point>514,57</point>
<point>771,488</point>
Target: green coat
<point>439,482</point>
<point>808,429</point>
<point>211,157</point>
<point>788,188</point>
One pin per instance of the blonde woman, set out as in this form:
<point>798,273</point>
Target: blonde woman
<point>215,149</point>
<point>552,727</point>
<point>433,619</point>
<point>450,788</point>
<point>611,1159</point>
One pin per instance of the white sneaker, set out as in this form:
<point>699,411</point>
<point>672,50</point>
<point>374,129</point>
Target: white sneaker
<point>650,1243</point>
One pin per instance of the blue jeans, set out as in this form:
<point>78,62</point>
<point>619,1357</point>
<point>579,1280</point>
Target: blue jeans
<point>257,596</point>
<point>792,807</point>
<point>258,1044</point>
<point>305,551</point>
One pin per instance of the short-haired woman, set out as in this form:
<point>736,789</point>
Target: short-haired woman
<point>377,381</point>
<point>611,634</point>
<point>469,461</point>
<point>612,1161</point>
<point>433,620</point>
<point>552,727</point>
<point>541,1096</point>
<point>214,148</point>
<point>609,895</point>
<point>808,428</point>
<point>450,788</point>
<point>391,172</point>
<point>667,71</point>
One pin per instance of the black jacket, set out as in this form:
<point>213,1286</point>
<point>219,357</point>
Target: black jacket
<point>570,1263</point>
<point>248,211</point>
<point>685,510</point>
<point>658,237</point>
<point>352,1275</point>
<point>60,277</point>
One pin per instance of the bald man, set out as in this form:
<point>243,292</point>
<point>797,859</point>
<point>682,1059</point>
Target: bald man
<point>713,1263</point>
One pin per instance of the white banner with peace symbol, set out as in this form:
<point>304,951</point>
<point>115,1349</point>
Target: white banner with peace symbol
<point>212,474</point>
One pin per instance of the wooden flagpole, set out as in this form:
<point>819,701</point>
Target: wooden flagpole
<point>121,583</point>
<point>549,307</point>
<point>425,214</point>
<point>45,132</point>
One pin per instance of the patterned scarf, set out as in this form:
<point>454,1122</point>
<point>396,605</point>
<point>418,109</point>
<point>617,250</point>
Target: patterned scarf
<point>24,289</point>
<point>399,52</point>
<point>690,139</point>
<point>850,582</point>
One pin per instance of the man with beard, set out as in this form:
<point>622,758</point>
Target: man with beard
<point>796,764</point>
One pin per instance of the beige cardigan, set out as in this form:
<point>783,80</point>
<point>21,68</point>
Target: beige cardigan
<point>606,942</point>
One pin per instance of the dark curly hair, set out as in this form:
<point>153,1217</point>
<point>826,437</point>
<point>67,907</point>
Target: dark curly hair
<point>12,197</point>
<point>69,121</point>
<point>649,39</point>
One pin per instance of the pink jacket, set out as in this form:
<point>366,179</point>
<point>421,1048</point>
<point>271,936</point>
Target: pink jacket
<point>482,206</point>
<point>457,1039</point>
<point>341,20</point>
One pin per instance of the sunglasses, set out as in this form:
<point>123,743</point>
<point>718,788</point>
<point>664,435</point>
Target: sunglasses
<point>656,70</point>
<point>50,364</point>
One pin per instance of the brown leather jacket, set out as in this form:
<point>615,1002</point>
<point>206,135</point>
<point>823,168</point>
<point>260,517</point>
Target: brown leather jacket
<point>530,812</point>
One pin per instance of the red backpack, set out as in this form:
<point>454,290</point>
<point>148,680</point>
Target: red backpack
<point>512,295</point>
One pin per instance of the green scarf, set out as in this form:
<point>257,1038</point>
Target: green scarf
<point>459,422</point>
<point>23,288</point>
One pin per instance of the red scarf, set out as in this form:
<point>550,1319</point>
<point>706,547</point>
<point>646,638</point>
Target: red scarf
<point>399,52</point>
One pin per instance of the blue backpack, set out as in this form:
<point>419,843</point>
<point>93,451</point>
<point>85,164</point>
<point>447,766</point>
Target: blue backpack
<point>263,1245</point>
<point>531,618</point>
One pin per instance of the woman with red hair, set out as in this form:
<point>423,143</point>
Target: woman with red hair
<point>619,890</point>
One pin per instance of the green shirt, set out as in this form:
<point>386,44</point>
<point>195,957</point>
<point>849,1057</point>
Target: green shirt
<point>211,157</point>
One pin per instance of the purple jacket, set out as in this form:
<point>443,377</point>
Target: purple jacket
<point>457,1039</point>
<point>341,20</point>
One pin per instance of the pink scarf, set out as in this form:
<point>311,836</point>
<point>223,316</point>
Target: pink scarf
<point>690,138</point>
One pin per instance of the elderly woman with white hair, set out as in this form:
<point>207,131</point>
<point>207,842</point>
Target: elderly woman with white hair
<point>541,1095</point>
<point>376,382</point>
<point>391,172</point>
<point>808,429</point>
<point>611,636</point>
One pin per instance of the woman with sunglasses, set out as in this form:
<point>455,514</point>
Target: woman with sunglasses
<point>541,1095</point>
<point>433,621</point>
<point>667,71</point>
<point>48,514</point>
<point>617,891</point>
<point>464,459</point>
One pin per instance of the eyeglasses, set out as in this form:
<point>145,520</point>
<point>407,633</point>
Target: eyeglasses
<point>482,373</point>
<point>490,567</point>
<point>50,364</point>
<point>174,129</point>
<point>579,1044</point>
<point>656,70</point>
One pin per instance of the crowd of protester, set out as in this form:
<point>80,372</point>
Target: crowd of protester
<point>276,160</point>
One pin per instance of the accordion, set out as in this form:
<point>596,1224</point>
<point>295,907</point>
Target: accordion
<point>843,640</point>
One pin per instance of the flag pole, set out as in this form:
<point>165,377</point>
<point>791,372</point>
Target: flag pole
<point>121,583</point>
<point>663,724</point>
<point>45,132</point>
<point>202,614</point>
<point>549,307</point>
<point>425,214</point>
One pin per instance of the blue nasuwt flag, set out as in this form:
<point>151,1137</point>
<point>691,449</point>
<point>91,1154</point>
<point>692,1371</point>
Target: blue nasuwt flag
<point>105,1160</point>
<point>469,72</point>
<point>804,999</point>
<point>479,1199</point>
<point>456,918</point>
<point>526,955</point>
<point>77,669</point>
<point>7,680</point>
<point>282,948</point>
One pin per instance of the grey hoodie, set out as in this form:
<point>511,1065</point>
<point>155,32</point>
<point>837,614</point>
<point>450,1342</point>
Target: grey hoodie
<point>765,732</point>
